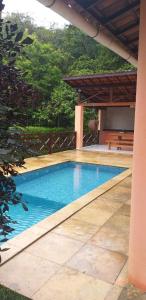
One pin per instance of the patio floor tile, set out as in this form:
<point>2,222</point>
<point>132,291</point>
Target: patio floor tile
<point>95,217</point>
<point>12,250</point>
<point>114,234</point>
<point>114,293</point>
<point>77,229</point>
<point>70,284</point>
<point>126,182</point>
<point>122,279</point>
<point>26,273</point>
<point>55,247</point>
<point>23,239</point>
<point>97,262</point>
<point>119,194</point>
<point>124,210</point>
<point>106,204</point>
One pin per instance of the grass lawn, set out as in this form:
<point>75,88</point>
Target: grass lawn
<point>6,294</point>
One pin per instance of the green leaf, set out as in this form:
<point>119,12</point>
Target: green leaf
<point>13,27</point>
<point>19,36</point>
<point>27,41</point>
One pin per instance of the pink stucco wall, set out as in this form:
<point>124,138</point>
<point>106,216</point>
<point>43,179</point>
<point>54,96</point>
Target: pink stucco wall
<point>137,250</point>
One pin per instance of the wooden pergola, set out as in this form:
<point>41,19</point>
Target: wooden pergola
<point>116,91</point>
<point>101,90</point>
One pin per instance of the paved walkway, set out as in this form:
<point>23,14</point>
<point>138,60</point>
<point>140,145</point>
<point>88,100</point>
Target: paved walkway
<point>104,148</point>
<point>85,257</point>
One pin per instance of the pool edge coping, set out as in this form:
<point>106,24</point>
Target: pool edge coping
<point>37,231</point>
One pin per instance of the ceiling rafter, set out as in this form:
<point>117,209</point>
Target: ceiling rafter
<point>121,12</point>
<point>97,86</point>
<point>100,104</point>
<point>135,39</point>
<point>88,3</point>
<point>129,27</point>
<point>105,85</point>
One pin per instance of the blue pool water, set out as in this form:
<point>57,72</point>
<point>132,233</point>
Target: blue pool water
<point>51,188</point>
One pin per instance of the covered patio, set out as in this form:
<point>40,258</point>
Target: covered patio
<point>112,96</point>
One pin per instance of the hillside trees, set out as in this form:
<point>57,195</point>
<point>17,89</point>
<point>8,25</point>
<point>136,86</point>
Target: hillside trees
<point>56,53</point>
<point>42,65</point>
<point>23,21</point>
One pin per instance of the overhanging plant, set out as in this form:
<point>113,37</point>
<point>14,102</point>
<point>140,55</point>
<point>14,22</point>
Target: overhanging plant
<point>15,97</point>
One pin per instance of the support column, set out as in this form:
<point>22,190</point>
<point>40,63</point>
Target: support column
<point>137,249</point>
<point>101,117</point>
<point>79,110</point>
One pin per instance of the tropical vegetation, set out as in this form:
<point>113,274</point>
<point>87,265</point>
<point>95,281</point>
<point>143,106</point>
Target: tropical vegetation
<point>54,54</point>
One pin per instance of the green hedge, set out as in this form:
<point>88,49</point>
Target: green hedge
<point>38,129</point>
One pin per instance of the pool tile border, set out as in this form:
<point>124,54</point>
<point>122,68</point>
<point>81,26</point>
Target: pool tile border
<point>35,232</point>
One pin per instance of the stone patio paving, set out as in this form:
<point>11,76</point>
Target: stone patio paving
<point>85,257</point>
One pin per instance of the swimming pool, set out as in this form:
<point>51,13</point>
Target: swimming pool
<point>51,188</point>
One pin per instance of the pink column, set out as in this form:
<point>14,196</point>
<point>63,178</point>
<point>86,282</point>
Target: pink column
<point>101,124</point>
<point>137,251</point>
<point>79,125</point>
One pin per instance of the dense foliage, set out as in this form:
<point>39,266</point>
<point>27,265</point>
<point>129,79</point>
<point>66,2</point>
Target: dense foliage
<point>16,95</point>
<point>57,53</point>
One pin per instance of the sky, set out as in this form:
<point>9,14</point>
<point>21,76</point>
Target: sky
<point>42,15</point>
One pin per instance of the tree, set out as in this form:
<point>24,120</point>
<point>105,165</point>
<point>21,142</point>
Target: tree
<point>62,105</point>
<point>15,94</point>
<point>23,21</point>
<point>41,63</point>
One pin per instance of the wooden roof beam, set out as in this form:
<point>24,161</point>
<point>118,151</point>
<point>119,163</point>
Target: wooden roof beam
<point>132,40</point>
<point>106,85</point>
<point>129,27</point>
<point>121,12</point>
<point>88,3</point>
<point>89,98</point>
<point>111,94</point>
<point>101,76</point>
<point>109,104</point>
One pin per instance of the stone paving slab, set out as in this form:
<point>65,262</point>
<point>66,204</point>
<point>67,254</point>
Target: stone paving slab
<point>69,284</point>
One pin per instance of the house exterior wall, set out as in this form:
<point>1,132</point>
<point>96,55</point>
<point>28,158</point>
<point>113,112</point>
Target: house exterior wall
<point>137,248</point>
